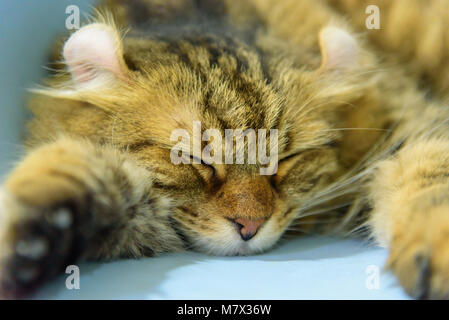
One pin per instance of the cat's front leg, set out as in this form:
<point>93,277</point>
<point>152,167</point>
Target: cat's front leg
<point>411,216</point>
<point>71,200</point>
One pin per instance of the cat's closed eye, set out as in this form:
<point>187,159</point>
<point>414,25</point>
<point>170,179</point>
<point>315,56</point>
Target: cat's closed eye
<point>285,163</point>
<point>206,170</point>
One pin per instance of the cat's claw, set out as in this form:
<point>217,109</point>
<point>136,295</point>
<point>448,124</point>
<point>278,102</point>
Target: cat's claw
<point>422,268</point>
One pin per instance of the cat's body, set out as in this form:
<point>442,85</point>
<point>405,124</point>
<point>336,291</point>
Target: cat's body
<point>359,145</point>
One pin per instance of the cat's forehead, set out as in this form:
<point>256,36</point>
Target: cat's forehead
<point>224,78</point>
<point>159,83</point>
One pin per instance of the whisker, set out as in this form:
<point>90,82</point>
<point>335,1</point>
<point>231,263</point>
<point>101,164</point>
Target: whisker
<point>355,129</point>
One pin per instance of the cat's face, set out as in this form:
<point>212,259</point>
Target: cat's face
<point>142,90</point>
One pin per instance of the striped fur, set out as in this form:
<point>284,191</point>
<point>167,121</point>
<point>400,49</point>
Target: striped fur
<point>361,146</point>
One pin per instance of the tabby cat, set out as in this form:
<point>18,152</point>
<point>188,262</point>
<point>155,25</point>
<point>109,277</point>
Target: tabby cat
<point>362,145</point>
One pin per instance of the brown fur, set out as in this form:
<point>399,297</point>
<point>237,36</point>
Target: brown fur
<point>351,142</point>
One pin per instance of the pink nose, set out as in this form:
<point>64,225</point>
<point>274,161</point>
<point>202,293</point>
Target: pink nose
<point>248,228</point>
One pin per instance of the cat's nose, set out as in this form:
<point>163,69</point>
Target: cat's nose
<point>247,227</point>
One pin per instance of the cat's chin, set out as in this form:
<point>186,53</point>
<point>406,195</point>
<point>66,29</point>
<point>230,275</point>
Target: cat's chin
<point>242,249</point>
<point>229,243</point>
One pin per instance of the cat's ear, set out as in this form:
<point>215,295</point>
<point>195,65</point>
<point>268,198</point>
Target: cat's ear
<point>94,56</point>
<point>339,49</point>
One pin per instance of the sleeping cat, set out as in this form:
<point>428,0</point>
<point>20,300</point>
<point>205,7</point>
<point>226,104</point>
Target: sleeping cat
<point>362,136</point>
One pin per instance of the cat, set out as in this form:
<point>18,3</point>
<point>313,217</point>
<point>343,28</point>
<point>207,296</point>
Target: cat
<point>362,136</point>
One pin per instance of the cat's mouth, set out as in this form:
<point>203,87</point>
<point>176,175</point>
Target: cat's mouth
<point>225,236</point>
<point>229,241</point>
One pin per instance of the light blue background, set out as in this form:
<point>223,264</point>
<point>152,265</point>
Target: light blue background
<point>27,28</point>
<point>309,268</point>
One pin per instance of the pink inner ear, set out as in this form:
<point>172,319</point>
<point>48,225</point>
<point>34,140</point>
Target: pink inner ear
<point>339,49</point>
<point>92,49</point>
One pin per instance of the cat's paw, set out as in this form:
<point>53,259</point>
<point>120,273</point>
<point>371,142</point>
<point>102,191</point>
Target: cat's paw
<point>34,245</point>
<point>420,260</point>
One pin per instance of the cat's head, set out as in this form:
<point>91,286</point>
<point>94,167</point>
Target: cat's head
<point>143,93</point>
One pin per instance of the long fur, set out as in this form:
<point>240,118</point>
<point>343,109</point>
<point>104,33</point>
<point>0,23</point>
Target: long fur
<point>359,149</point>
